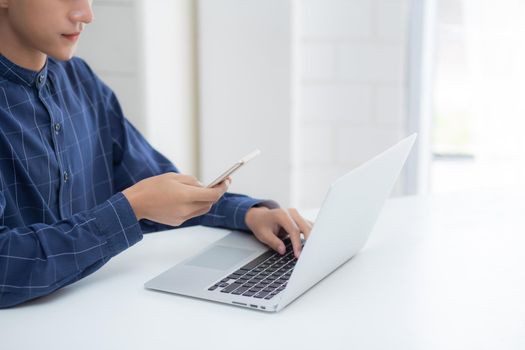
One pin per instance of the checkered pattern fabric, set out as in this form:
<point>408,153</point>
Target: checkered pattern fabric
<point>66,152</point>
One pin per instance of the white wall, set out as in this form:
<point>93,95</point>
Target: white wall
<point>169,78</point>
<point>111,47</point>
<point>245,93</point>
<point>353,87</point>
<point>145,50</point>
<point>346,102</point>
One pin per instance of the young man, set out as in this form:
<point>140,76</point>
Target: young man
<point>78,183</point>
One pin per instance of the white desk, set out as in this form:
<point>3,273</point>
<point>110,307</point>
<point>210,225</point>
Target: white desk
<point>437,273</point>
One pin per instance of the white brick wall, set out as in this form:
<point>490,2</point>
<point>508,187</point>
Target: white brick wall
<point>317,61</point>
<point>356,145</point>
<point>352,94</point>
<point>333,102</point>
<point>336,19</point>
<point>371,62</point>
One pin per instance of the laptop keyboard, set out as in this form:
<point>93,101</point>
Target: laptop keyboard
<point>264,277</point>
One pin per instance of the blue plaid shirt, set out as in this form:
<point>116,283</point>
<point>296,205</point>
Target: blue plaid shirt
<point>66,152</point>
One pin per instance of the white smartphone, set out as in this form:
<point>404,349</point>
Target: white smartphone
<point>234,167</point>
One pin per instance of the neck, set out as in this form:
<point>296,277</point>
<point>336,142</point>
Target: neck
<point>15,49</point>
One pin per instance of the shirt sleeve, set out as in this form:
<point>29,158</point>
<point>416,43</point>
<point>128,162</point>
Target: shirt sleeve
<point>40,258</point>
<point>135,159</point>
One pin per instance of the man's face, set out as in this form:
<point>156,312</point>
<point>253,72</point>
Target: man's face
<point>52,27</point>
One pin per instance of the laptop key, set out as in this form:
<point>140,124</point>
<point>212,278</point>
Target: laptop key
<point>240,290</point>
<point>258,260</point>
<point>231,288</point>
<point>260,295</point>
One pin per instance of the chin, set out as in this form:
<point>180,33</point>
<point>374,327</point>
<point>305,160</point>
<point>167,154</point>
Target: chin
<point>62,55</point>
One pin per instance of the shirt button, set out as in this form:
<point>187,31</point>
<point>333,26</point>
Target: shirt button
<point>58,127</point>
<point>66,176</point>
<point>41,79</point>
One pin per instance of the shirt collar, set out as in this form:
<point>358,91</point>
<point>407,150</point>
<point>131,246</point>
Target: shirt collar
<point>20,75</point>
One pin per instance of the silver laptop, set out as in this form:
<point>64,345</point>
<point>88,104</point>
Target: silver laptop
<point>239,270</point>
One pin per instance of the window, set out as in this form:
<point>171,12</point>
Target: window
<point>478,95</point>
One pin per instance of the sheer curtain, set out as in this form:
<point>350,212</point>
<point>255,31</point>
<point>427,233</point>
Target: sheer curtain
<point>490,86</point>
<point>496,55</point>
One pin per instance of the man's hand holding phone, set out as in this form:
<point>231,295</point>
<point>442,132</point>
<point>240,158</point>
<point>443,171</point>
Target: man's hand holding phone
<point>173,198</point>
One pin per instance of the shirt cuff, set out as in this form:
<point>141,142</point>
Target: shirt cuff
<point>244,206</point>
<point>117,222</point>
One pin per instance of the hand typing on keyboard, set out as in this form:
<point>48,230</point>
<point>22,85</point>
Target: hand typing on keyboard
<point>271,225</point>
<point>264,277</point>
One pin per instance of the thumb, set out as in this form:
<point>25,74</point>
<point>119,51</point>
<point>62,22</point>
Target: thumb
<point>223,186</point>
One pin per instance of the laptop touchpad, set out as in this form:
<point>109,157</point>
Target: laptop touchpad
<point>220,257</point>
